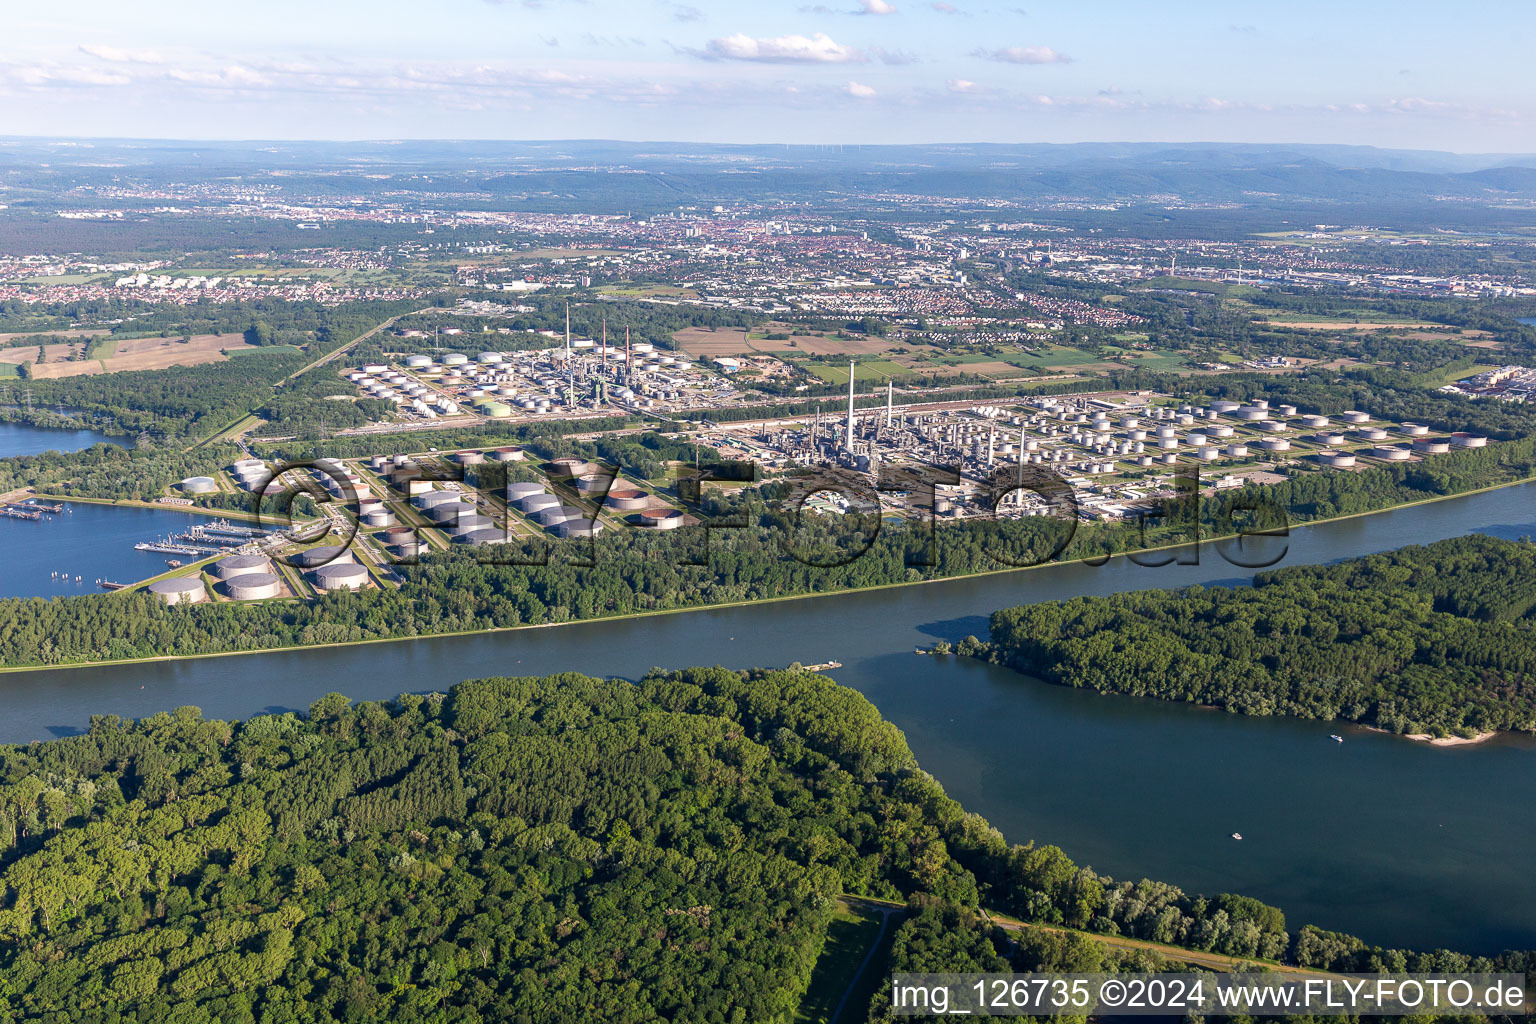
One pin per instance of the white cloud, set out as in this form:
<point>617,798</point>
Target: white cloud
<point>118,56</point>
<point>1024,55</point>
<point>875,7</point>
<point>964,85</point>
<point>792,49</point>
<point>860,90</point>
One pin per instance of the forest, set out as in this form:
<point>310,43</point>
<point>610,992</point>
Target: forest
<point>536,849</point>
<point>1435,640</point>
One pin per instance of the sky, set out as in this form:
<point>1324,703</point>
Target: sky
<point>1408,74</point>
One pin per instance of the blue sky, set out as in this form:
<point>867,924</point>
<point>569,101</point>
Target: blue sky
<point>1409,74</point>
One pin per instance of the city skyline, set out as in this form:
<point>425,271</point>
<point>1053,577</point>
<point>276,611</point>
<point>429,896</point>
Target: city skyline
<point>850,71</point>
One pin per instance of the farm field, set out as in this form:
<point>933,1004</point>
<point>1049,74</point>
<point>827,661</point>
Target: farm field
<point>136,354</point>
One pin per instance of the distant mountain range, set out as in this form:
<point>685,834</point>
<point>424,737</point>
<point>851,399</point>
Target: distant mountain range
<point>661,174</point>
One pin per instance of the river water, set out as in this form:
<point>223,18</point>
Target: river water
<point>95,542</point>
<point>1395,841</point>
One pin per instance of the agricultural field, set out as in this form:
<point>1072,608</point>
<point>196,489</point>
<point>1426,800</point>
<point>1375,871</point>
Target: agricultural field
<point>136,354</point>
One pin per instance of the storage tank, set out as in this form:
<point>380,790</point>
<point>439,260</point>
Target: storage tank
<point>229,567</point>
<point>1329,438</point>
<point>1336,460</point>
<point>1414,429</point>
<point>1431,446</point>
<point>1391,453</point>
<point>1237,451</point>
<point>508,455</point>
<point>255,586</point>
<point>592,483</point>
<point>1354,416</point>
<point>417,362</point>
<point>1275,444</point>
<point>1370,433</point>
<point>431,499</point>
<point>470,522</point>
<point>570,465</point>
<point>469,458</point>
<point>627,499</point>
<point>576,528</point>
<point>483,535</point>
<point>339,576</point>
<point>1315,422</point>
<point>536,503</point>
<point>322,556</point>
<point>455,359</point>
<point>379,517</point>
<point>558,514</point>
<point>518,491</point>
<point>660,519</point>
<point>199,485</point>
<point>179,590</point>
<point>1463,439</point>
<point>449,512</point>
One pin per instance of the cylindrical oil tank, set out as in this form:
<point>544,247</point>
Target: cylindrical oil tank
<point>1336,460</point>
<point>1431,446</point>
<point>255,586</point>
<point>558,514</point>
<point>484,535</point>
<point>536,503</point>
<point>592,483</point>
<point>508,455</point>
<point>519,491</point>
<point>321,556</point>
<point>470,522</point>
<point>469,458</point>
<point>570,465</point>
<point>179,590</point>
<point>627,499</point>
<point>1414,429</point>
<point>578,528</point>
<point>1354,416</point>
<point>229,567</point>
<point>660,519</point>
<point>449,512</point>
<point>199,485</point>
<point>1464,439</point>
<point>347,576</point>
<point>1391,453</point>
<point>431,499</point>
<point>379,517</point>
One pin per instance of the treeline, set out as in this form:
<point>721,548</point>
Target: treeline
<point>1435,639</point>
<point>540,849</point>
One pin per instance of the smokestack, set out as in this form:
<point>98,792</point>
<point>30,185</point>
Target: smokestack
<point>888,389</point>
<point>850,407</point>
<point>991,443</point>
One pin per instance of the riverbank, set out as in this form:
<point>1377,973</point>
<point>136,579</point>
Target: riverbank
<point>1095,560</point>
<point>1437,741</point>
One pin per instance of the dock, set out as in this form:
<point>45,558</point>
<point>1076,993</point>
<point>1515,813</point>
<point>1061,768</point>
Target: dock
<point>20,512</point>
<point>824,666</point>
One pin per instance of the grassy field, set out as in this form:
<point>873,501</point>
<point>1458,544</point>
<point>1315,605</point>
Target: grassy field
<point>9,370</point>
<point>853,930</point>
<point>868,369</point>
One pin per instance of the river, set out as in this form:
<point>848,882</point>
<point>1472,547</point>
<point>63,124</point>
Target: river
<point>1395,841</point>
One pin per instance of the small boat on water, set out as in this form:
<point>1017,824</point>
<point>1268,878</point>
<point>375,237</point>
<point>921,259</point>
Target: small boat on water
<point>1336,737</point>
<point>1237,835</point>
<point>174,563</point>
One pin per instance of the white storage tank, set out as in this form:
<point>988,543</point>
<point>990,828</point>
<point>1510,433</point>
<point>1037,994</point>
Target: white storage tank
<point>199,485</point>
<point>1354,416</point>
<point>230,566</point>
<point>1237,451</point>
<point>179,590</point>
<point>1414,429</point>
<point>339,576</point>
<point>256,586</point>
<point>1390,453</point>
<point>1431,446</point>
<point>1463,439</point>
<point>1336,460</point>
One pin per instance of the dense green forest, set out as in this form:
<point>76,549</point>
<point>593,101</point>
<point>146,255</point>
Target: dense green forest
<point>1436,639</point>
<point>540,850</point>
